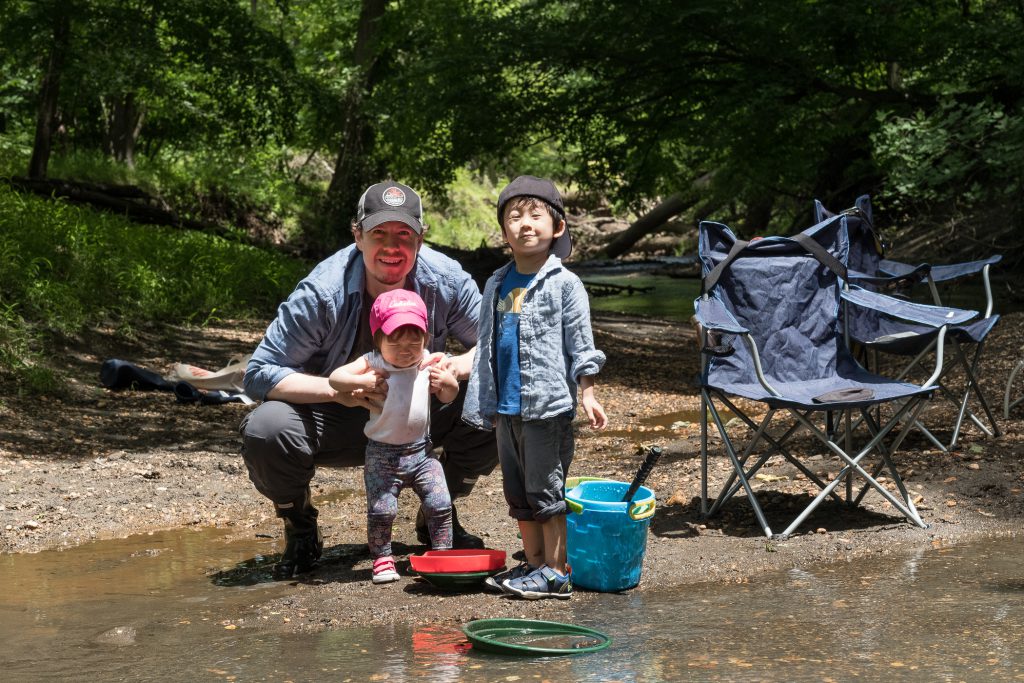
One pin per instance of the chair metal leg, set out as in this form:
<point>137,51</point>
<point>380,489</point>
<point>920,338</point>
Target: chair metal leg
<point>730,488</point>
<point>761,433</point>
<point>704,401</point>
<point>853,463</point>
<point>741,474</point>
<point>976,386</point>
<point>848,442</point>
<point>738,469</point>
<point>887,453</point>
<point>970,369</point>
<point>1007,405</point>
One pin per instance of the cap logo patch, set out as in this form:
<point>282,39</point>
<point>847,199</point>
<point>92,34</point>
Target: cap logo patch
<point>393,196</point>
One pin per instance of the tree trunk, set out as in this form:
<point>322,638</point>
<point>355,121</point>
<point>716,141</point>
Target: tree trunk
<point>758,215</point>
<point>124,123</point>
<point>646,224</point>
<point>354,169</point>
<point>49,92</point>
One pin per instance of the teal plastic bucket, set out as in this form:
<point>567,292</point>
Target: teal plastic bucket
<point>607,537</point>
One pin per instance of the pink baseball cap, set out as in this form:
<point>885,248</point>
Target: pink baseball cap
<point>398,307</point>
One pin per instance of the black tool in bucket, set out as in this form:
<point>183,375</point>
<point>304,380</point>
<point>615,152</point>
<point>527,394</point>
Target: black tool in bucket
<point>653,453</point>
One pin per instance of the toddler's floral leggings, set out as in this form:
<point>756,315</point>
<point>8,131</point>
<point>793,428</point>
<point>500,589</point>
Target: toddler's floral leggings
<point>388,470</point>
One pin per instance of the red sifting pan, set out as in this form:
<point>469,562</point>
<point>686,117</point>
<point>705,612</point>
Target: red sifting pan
<point>458,561</point>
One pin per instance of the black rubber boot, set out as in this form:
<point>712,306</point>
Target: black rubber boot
<point>461,539</point>
<point>303,542</point>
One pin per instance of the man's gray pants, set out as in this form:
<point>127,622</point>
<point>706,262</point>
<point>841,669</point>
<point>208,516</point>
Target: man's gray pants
<point>283,444</point>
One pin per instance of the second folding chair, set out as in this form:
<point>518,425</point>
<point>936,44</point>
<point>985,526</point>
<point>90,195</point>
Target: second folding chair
<point>880,333</point>
<point>782,296</point>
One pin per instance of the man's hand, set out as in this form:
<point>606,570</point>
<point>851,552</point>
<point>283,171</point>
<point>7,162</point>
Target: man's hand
<point>370,388</point>
<point>460,365</point>
<point>436,358</point>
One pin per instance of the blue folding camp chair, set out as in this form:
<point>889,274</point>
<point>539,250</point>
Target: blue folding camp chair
<point>878,334</point>
<point>782,296</point>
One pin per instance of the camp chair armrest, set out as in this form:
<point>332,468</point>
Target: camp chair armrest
<point>756,357</point>
<point>714,316</point>
<point>943,273</point>
<point>714,321</point>
<point>950,272</point>
<point>940,341</point>
<point>934,316</point>
<point>904,280</point>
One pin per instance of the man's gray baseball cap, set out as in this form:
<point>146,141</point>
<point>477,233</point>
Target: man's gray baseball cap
<point>390,201</point>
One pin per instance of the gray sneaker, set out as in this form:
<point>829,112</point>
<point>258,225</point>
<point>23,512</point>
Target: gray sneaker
<point>493,583</point>
<point>544,582</point>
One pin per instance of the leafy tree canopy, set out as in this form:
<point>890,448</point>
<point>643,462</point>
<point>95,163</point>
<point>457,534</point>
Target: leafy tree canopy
<point>773,102</point>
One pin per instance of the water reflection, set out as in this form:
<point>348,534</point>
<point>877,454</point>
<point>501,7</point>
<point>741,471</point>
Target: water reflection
<point>667,426</point>
<point>145,608</point>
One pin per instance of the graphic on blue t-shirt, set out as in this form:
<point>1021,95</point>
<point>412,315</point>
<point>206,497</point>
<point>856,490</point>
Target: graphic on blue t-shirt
<point>510,305</point>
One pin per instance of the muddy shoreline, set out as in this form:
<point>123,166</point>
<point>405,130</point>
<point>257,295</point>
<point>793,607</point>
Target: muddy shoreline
<point>97,464</point>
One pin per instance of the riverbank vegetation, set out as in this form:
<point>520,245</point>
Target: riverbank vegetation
<point>237,136</point>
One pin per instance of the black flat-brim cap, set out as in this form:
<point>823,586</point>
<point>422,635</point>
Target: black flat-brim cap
<point>390,201</point>
<point>540,188</point>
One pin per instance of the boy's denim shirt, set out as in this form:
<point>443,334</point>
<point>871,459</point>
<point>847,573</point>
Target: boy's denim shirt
<point>316,327</point>
<point>556,346</point>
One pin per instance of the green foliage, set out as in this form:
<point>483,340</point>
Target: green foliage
<point>736,103</point>
<point>465,219</point>
<point>255,180</point>
<point>748,108</point>
<point>195,73</point>
<point>15,151</point>
<point>63,267</point>
<point>969,154</point>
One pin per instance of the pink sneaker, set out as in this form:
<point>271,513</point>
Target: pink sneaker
<point>384,570</point>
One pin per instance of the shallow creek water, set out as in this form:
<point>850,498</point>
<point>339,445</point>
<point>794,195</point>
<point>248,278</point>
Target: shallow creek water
<point>147,608</point>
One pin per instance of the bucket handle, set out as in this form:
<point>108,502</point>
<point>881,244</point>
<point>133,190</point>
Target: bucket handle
<point>636,512</point>
<point>640,511</point>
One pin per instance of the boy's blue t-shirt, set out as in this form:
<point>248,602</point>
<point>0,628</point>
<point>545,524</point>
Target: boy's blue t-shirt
<point>510,301</point>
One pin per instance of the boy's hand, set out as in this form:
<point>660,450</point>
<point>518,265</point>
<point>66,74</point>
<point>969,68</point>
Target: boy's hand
<point>595,411</point>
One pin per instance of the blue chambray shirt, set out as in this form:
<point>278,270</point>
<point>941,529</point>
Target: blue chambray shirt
<point>556,346</point>
<point>316,327</point>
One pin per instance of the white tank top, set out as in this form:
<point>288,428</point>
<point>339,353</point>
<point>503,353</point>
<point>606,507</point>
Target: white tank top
<point>405,417</point>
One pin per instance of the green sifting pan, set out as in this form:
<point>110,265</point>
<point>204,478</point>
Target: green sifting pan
<point>533,637</point>
<point>456,581</point>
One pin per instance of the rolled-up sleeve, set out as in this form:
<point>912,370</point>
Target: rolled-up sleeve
<point>291,340</point>
<point>577,334</point>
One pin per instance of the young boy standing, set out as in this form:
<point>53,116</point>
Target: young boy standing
<point>535,347</point>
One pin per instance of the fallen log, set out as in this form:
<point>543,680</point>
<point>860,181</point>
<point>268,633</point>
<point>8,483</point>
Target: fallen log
<point>599,289</point>
<point>646,224</point>
<point>129,201</point>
